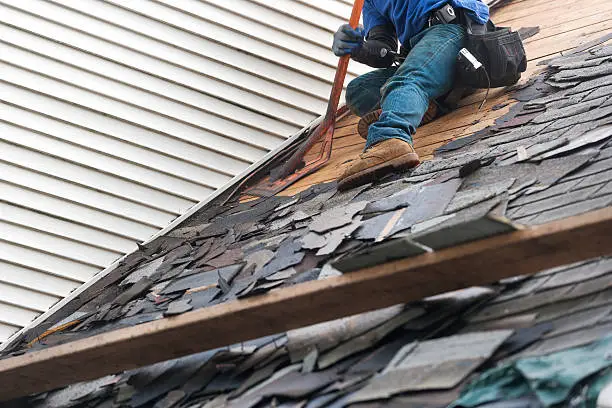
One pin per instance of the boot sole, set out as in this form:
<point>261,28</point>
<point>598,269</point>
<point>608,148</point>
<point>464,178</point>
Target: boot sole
<point>404,162</point>
<point>365,122</point>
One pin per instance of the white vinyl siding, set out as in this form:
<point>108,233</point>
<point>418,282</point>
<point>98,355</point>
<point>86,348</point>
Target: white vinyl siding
<point>117,116</point>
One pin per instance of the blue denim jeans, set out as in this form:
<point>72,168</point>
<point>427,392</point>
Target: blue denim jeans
<point>404,92</point>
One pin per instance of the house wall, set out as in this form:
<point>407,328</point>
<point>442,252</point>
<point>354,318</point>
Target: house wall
<point>117,116</point>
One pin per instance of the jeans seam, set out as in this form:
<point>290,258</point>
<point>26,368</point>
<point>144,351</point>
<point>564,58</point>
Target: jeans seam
<point>427,62</point>
<point>443,45</point>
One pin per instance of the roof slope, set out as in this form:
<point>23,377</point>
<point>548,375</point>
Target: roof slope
<point>550,157</point>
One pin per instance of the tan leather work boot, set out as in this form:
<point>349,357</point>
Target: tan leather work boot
<point>366,120</point>
<point>378,161</point>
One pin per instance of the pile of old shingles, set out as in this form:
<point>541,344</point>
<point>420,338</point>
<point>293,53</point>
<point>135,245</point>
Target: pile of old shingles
<point>549,158</point>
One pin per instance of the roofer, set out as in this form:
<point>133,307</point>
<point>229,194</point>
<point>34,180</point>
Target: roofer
<point>393,100</point>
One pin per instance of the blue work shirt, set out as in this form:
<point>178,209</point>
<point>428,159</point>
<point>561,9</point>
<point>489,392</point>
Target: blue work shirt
<point>410,16</point>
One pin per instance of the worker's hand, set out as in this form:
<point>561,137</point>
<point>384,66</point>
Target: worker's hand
<point>347,39</point>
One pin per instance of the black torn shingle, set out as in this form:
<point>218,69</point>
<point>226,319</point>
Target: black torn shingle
<point>431,202</point>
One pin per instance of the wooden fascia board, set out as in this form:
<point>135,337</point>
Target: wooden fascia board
<point>476,263</point>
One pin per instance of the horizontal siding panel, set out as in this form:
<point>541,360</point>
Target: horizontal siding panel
<point>7,330</point>
<point>14,315</point>
<point>67,192</point>
<point>51,264</point>
<point>15,296</point>
<point>334,8</point>
<point>108,145</point>
<point>116,61</point>
<point>174,27</point>
<point>56,245</point>
<point>97,122</point>
<point>98,162</point>
<point>305,13</point>
<point>260,14</point>
<point>212,21</point>
<point>52,225</point>
<point>38,281</point>
<point>140,202</point>
<point>273,130</point>
<point>75,212</point>
<point>199,54</point>
<point>129,113</point>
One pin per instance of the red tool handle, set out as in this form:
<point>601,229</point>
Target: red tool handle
<point>334,98</point>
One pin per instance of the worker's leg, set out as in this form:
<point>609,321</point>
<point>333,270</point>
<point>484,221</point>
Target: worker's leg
<point>363,92</point>
<point>426,74</point>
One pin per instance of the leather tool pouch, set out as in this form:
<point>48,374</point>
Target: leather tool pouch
<point>501,52</point>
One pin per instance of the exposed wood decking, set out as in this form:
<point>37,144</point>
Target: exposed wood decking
<point>564,24</point>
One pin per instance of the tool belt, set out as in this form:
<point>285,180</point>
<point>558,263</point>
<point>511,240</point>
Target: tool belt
<point>499,49</point>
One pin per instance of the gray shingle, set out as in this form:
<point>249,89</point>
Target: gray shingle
<point>593,114</point>
<point>553,202</point>
<point>593,179</point>
<point>554,190</point>
<point>582,73</point>
<point>578,274</point>
<point>519,305</point>
<point>605,190</point>
<point>559,309</point>
<point>599,92</point>
<point>336,217</point>
<point>528,287</point>
<point>470,224</point>
<point>591,84</point>
<point>568,111</point>
<point>573,209</point>
<point>469,197</point>
<point>520,133</point>
<point>596,166</point>
<point>579,320</point>
<point>430,203</point>
<point>590,286</point>
<point>588,134</point>
<point>567,340</point>
<point>378,254</point>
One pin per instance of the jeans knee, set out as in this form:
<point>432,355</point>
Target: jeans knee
<point>362,95</point>
<point>352,96</point>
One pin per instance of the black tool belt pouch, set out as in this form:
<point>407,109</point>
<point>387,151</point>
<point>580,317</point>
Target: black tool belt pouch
<point>500,51</point>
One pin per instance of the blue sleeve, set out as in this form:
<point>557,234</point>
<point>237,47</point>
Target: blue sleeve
<point>372,17</point>
<point>476,9</point>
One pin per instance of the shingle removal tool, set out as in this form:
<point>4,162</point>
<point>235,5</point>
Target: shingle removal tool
<point>296,166</point>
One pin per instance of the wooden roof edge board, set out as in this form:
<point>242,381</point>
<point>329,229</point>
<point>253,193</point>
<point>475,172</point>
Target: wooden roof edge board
<point>476,263</point>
